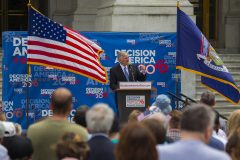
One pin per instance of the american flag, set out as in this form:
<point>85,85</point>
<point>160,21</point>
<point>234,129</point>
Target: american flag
<point>53,45</point>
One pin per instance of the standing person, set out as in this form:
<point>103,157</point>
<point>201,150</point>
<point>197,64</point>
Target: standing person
<point>99,121</point>
<point>123,72</point>
<point>218,139</point>
<point>208,98</point>
<point>174,127</point>
<point>45,134</point>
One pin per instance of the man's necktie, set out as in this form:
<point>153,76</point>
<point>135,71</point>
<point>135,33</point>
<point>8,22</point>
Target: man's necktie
<point>126,73</point>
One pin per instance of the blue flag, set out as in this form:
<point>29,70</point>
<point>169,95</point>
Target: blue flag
<point>195,54</point>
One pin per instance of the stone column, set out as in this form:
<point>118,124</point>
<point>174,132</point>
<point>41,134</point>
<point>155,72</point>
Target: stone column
<point>85,15</point>
<point>233,27</point>
<point>222,12</point>
<point>62,11</point>
<point>139,15</point>
<point>77,14</point>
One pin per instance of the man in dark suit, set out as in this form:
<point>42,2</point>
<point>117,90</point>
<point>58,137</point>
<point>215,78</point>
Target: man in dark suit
<point>99,121</point>
<point>124,71</point>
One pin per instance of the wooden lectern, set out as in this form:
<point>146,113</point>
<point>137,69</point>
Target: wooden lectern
<point>132,95</point>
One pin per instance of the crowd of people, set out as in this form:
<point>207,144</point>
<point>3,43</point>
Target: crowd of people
<point>160,133</point>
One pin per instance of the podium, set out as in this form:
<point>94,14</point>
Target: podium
<point>132,95</point>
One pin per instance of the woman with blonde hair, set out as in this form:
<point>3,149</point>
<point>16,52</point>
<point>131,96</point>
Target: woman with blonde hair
<point>233,122</point>
<point>233,145</point>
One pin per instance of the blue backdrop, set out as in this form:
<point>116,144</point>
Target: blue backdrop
<point>156,50</point>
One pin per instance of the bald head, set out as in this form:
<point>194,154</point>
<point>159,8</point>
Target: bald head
<point>61,101</point>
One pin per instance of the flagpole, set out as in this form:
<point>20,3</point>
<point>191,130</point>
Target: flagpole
<point>177,82</point>
<point>28,75</point>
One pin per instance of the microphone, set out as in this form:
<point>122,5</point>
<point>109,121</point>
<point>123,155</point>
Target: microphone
<point>131,69</point>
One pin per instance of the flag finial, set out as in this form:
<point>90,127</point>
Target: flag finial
<point>178,4</point>
<point>29,3</point>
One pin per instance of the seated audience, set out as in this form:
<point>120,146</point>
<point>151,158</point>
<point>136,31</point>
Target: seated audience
<point>196,130</point>
<point>136,143</point>
<point>99,121</point>
<point>44,134</point>
<point>72,147</point>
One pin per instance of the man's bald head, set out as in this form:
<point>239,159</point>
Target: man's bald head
<point>61,101</point>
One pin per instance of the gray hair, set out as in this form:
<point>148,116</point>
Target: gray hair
<point>99,118</point>
<point>121,54</point>
<point>197,118</point>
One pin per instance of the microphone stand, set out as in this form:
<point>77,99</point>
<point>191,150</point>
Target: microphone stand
<point>131,69</point>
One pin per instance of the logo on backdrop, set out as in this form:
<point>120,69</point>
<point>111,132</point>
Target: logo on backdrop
<point>20,50</point>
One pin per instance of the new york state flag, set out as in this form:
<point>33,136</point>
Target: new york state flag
<point>195,54</point>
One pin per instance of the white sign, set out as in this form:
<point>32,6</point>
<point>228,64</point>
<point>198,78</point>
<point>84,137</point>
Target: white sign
<point>135,85</point>
<point>135,101</point>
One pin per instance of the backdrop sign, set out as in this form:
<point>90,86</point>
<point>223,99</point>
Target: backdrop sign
<point>157,51</point>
